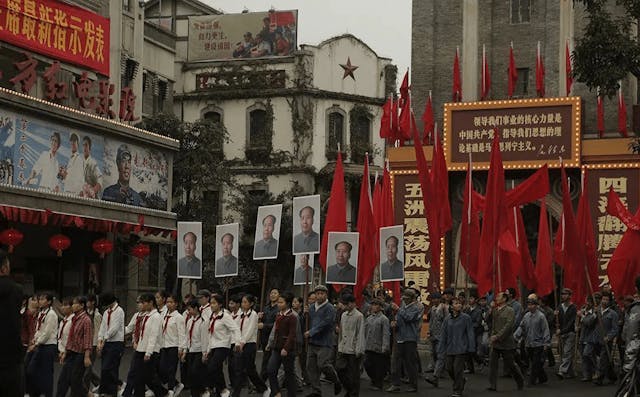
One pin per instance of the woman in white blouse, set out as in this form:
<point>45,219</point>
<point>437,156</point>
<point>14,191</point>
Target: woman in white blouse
<point>223,332</point>
<point>197,335</point>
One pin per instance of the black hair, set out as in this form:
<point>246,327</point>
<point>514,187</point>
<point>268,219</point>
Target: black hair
<point>250,298</point>
<point>348,298</point>
<point>67,301</point>
<point>107,298</point>
<point>313,211</point>
<point>92,298</point>
<point>288,297</point>
<point>87,139</point>
<point>218,298</point>
<point>225,235</point>
<point>344,242</point>
<point>195,238</point>
<point>174,297</point>
<point>163,293</point>
<point>48,295</point>
<point>273,217</point>
<point>148,297</point>
<point>299,299</point>
<point>193,303</point>
<point>237,298</point>
<point>82,300</point>
<point>311,293</point>
<point>391,238</point>
<point>274,288</point>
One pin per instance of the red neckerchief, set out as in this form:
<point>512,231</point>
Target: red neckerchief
<point>280,317</point>
<point>109,316</point>
<point>186,318</point>
<point>234,315</point>
<point>213,321</point>
<point>144,324</point>
<point>64,323</point>
<point>202,308</point>
<point>193,324</point>
<point>74,322</point>
<point>41,317</point>
<point>136,331</point>
<point>166,322</point>
<point>243,316</point>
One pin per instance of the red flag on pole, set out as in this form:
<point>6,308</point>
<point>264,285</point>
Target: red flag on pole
<point>336,220</point>
<point>545,282</point>
<point>624,265</point>
<point>429,122</point>
<point>367,246</point>
<point>440,184</point>
<point>568,68</point>
<point>600,114</point>
<point>469,228</point>
<point>622,113</point>
<point>404,89</point>
<point>457,82</point>
<point>395,120</point>
<point>527,272</point>
<point>539,73</point>
<point>385,121</point>
<point>485,86</point>
<point>405,123</point>
<point>513,73</point>
<point>587,237</point>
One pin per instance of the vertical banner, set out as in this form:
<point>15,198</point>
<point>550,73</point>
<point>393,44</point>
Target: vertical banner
<point>609,229</point>
<point>409,207</point>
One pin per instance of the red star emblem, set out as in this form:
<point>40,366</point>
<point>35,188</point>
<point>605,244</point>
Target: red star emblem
<point>348,69</point>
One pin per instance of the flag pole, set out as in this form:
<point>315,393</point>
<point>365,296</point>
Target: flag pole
<point>469,210</point>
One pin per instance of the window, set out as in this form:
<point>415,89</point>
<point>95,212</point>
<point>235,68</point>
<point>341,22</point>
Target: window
<point>215,117</point>
<point>335,132</point>
<point>360,141</point>
<point>522,85</point>
<point>520,11</point>
<point>259,137</point>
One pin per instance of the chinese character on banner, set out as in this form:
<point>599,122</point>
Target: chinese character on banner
<point>103,107</point>
<point>55,90</point>
<point>127,104</point>
<point>81,90</point>
<point>26,76</point>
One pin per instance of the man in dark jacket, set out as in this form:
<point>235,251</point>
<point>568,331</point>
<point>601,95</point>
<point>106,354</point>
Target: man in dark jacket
<point>457,340</point>
<point>10,344</point>
<point>502,343</point>
<point>566,314</point>
<point>607,334</point>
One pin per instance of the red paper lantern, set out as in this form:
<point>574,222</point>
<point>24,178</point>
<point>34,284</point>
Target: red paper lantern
<point>11,237</point>
<point>103,247</point>
<point>140,251</point>
<point>59,243</point>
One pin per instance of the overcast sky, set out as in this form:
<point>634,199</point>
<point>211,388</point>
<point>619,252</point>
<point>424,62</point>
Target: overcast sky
<point>385,25</point>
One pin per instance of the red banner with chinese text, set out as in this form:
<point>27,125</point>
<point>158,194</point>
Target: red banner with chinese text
<point>63,32</point>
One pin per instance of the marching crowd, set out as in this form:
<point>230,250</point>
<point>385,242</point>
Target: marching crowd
<point>302,339</point>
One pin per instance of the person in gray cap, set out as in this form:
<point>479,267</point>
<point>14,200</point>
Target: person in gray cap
<point>566,316</point>
<point>537,339</point>
<point>320,337</point>
<point>121,192</point>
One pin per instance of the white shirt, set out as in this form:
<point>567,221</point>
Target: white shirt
<point>205,312</point>
<point>47,167</point>
<point>163,311</point>
<point>63,332</point>
<point>223,331</point>
<point>150,328</point>
<point>112,326</point>
<point>173,331</point>
<point>132,324</point>
<point>197,334</point>
<point>97,321</point>
<point>46,327</point>
<point>248,327</point>
<point>74,180</point>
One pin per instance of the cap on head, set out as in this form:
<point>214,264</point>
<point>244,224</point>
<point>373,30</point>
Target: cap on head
<point>567,291</point>
<point>435,295</point>
<point>409,293</point>
<point>204,293</point>
<point>123,151</point>
<point>321,288</point>
<point>448,291</point>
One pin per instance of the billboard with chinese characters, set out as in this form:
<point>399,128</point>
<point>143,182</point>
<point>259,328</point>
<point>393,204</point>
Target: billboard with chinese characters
<point>58,159</point>
<point>532,132</point>
<point>58,30</point>
<point>409,211</point>
<point>248,35</point>
<point>609,229</point>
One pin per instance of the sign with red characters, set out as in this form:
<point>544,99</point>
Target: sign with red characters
<point>61,31</point>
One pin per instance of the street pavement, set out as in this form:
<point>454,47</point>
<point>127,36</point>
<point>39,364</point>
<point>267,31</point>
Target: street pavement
<point>476,385</point>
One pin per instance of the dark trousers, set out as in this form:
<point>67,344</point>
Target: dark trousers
<point>215,366</point>
<point>288,362</point>
<point>168,366</point>
<point>131,379</point>
<point>245,367</point>
<point>376,366</point>
<point>405,357</point>
<point>40,371</point>
<point>302,360</point>
<point>184,374</point>
<point>590,353</point>
<point>455,369</point>
<point>348,368</point>
<point>147,375</point>
<point>605,369</point>
<point>320,360</point>
<point>536,361</point>
<point>197,373</point>
<point>266,354</point>
<point>93,377</point>
<point>510,366</point>
<point>11,380</point>
<point>74,376</point>
<point>551,358</point>
<point>111,356</point>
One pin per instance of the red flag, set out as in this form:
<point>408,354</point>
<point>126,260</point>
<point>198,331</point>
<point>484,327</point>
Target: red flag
<point>624,265</point>
<point>367,229</point>
<point>388,219</point>
<point>430,210</point>
<point>377,202</point>
<point>395,120</point>
<point>622,114</point>
<point>545,282</point>
<point>404,89</point>
<point>533,188</point>
<point>336,220</point>
<point>386,126</point>
<point>587,237</point>
<point>429,122</point>
<point>405,122</point>
<point>457,82</point>
<point>440,184</point>
<point>469,229</point>
<point>493,226</point>
<point>513,73</point>
<point>600,114</point>
<point>568,68</point>
<point>510,261</point>
<point>485,85</point>
<point>539,73</point>
<point>527,272</point>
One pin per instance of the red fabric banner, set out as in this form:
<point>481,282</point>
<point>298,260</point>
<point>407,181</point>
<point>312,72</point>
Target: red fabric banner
<point>61,31</point>
<point>545,282</point>
<point>368,244</point>
<point>624,265</point>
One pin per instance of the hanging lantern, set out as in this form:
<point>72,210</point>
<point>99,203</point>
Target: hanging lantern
<point>103,247</point>
<point>59,243</point>
<point>140,251</point>
<point>11,238</point>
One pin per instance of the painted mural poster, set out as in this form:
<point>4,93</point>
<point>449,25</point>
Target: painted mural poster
<point>57,159</point>
<point>247,35</point>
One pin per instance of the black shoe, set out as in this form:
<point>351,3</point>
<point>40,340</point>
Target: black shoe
<point>432,380</point>
<point>491,389</point>
<point>337,388</point>
<point>313,395</point>
<point>598,382</point>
